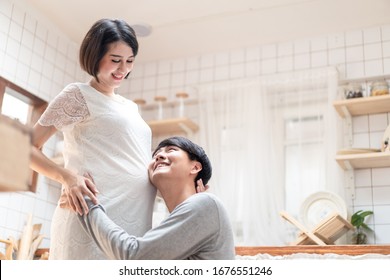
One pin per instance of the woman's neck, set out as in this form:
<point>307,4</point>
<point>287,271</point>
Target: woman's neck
<point>101,88</point>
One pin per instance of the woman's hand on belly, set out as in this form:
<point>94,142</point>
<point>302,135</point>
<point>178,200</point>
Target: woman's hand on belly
<point>75,188</point>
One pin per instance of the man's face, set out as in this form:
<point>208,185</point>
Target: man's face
<point>170,162</point>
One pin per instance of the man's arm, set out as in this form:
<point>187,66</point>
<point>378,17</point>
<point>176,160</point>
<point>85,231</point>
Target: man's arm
<point>113,240</point>
<point>181,235</point>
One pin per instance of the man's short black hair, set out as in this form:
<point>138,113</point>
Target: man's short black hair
<point>194,151</point>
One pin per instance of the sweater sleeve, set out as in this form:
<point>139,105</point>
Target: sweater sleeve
<point>192,227</point>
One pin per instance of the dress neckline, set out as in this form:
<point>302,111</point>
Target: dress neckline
<point>115,97</point>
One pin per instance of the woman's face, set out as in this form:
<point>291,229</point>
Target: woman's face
<point>115,65</point>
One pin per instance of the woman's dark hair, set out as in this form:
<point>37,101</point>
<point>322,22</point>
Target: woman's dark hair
<point>96,41</point>
<point>194,151</point>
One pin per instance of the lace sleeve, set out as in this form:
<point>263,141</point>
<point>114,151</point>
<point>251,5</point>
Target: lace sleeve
<point>67,108</point>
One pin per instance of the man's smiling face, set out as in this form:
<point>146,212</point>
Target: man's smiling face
<point>169,162</point>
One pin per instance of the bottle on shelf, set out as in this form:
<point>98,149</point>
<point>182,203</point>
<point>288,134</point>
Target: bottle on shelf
<point>160,100</point>
<point>379,88</point>
<point>181,96</point>
<point>353,90</point>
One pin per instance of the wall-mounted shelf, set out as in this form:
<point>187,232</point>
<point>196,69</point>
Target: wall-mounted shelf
<point>348,108</point>
<point>363,106</point>
<point>173,126</point>
<point>364,160</point>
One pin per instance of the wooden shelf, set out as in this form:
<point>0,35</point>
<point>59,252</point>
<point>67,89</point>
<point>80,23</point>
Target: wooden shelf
<point>349,108</point>
<point>363,106</point>
<point>172,126</point>
<point>364,160</point>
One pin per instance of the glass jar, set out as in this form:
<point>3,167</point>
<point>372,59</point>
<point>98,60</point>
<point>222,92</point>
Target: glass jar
<point>353,90</point>
<point>379,88</point>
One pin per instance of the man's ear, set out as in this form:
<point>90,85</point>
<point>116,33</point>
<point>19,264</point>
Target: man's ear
<point>196,168</point>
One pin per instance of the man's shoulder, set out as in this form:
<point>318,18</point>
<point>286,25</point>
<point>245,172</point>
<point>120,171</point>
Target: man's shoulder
<point>205,199</point>
<point>206,196</point>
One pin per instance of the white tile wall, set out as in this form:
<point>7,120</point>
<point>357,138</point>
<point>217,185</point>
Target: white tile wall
<point>360,124</point>
<point>380,177</point>
<point>378,122</point>
<point>381,234</point>
<point>381,195</point>
<point>361,140</point>
<point>363,178</point>
<point>354,38</point>
<point>42,60</point>
<point>302,61</point>
<point>337,56</point>
<point>302,46</point>
<point>363,197</point>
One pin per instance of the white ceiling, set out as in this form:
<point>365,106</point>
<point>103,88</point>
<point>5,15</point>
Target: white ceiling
<point>189,27</point>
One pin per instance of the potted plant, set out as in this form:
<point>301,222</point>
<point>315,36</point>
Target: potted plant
<point>357,220</point>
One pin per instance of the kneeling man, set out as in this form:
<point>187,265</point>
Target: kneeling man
<point>197,227</point>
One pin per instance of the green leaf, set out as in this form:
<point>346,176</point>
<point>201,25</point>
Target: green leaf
<point>366,213</point>
<point>358,218</point>
<point>365,226</point>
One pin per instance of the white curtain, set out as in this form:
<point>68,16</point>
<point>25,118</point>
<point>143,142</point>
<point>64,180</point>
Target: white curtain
<point>272,141</point>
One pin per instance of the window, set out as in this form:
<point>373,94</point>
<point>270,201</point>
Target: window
<point>304,159</point>
<point>14,107</point>
<point>17,103</point>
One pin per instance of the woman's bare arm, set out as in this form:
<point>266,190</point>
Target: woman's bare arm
<point>75,186</point>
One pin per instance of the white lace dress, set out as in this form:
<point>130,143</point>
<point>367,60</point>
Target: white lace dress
<point>106,137</point>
